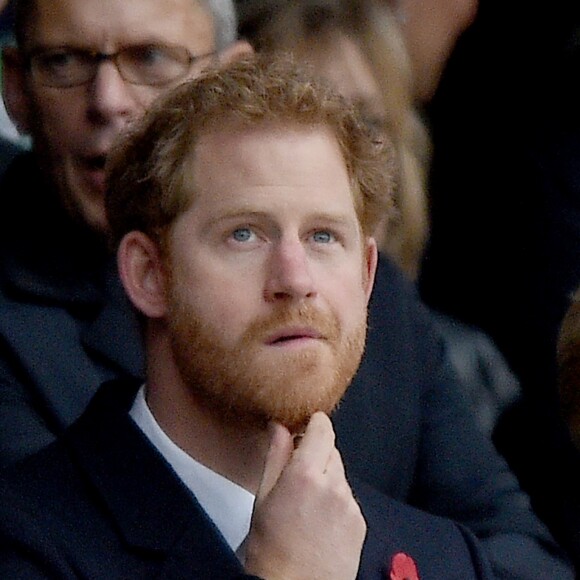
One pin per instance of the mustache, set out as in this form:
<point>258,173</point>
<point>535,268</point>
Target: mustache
<point>324,323</point>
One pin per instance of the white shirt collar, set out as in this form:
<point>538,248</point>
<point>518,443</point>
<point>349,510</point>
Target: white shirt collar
<point>226,503</point>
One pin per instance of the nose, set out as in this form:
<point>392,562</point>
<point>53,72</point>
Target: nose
<point>289,275</point>
<point>111,100</point>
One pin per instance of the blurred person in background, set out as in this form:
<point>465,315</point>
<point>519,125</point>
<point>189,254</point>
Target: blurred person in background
<point>81,72</point>
<point>504,249</point>
<point>430,29</point>
<point>500,93</point>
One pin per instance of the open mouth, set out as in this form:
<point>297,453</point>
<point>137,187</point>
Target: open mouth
<point>95,162</point>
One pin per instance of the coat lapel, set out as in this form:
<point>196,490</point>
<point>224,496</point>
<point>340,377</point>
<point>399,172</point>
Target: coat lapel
<point>33,333</point>
<point>159,514</point>
<point>61,330</point>
<point>438,548</point>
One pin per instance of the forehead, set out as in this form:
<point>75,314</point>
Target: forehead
<point>109,24</point>
<point>284,167</point>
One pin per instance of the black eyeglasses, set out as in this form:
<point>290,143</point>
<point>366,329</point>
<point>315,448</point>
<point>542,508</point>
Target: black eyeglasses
<point>154,65</point>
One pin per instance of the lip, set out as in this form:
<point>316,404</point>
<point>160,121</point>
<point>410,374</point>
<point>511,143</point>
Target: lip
<point>293,335</point>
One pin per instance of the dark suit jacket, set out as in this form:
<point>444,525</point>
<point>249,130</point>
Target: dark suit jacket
<point>102,503</point>
<point>403,427</point>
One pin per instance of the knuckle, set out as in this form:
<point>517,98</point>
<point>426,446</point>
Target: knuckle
<point>341,496</point>
<point>307,475</point>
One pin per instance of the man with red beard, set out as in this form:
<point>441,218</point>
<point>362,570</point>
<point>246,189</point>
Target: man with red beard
<point>243,206</point>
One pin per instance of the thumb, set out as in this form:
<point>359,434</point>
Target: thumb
<point>279,453</point>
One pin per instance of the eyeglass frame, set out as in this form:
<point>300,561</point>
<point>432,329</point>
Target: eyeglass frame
<point>96,58</point>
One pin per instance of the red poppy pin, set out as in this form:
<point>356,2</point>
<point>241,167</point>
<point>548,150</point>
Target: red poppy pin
<point>403,567</point>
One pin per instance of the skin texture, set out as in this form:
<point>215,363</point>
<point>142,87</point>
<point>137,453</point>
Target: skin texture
<point>272,226</point>
<point>306,518</point>
<point>296,285</point>
<point>73,128</point>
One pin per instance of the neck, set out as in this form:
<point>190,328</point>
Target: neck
<point>235,450</point>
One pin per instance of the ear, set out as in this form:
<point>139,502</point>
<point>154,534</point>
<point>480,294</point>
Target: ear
<point>15,90</point>
<point>235,51</point>
<point>142,273</point>
<point>371,260</point>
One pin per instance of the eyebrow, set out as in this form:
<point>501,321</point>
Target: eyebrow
<point>147,40</point>
<point>335,219</point>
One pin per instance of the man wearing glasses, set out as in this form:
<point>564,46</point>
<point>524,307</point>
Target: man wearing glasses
<point>83,70</point>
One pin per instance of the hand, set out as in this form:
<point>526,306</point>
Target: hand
<point>306,522</point>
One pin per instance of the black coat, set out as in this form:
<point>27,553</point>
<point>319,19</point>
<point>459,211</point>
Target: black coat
<point>102,503</point>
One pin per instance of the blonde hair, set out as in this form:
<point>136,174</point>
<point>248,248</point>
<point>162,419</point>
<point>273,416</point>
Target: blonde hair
<point>149,171</point>
<point>275,25</point>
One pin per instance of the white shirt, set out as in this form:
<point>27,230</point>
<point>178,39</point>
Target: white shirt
<point>226,503</point>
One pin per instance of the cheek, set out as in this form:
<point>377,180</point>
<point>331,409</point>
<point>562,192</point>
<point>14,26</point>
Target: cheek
<point>346,295</point>
<point>59,124</point>
<point>143,96</point>
<point>228,299</point>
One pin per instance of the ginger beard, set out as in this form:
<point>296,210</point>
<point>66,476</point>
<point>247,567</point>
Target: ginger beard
<point>252,383</point>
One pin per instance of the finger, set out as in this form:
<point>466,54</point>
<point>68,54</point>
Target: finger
<point>335,467</point>
<point>318,441</point>
<point>279,453</point>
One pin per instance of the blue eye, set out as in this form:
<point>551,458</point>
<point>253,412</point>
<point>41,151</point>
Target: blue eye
<point>323,237</point>
<point>242,234</point>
